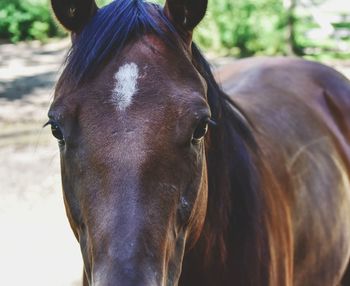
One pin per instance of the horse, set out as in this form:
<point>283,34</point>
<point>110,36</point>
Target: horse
<point>170,178</point>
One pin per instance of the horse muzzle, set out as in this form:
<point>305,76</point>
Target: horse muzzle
<point>127,276</point>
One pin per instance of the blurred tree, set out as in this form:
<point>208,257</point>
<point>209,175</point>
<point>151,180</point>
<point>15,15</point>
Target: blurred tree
<point>26,20</point>
<point>290,6</point>
<point>244,27</point>
<point>293,20</point>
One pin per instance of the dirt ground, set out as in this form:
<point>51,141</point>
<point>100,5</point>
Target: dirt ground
<point>37,248</point>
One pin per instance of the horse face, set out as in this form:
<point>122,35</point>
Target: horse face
<point>133,163</point>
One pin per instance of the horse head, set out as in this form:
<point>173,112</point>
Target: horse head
<point>130,113</point>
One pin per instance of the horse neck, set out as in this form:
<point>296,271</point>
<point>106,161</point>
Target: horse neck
<point>244,237</point>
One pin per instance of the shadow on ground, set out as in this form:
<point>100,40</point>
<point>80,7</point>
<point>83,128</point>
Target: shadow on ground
<point>25,85</point>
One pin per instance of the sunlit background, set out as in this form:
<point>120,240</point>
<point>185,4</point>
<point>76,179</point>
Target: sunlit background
<point>37,247</point>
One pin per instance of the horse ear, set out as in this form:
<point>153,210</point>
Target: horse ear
<point>185,14</point>
<point>74,14</point>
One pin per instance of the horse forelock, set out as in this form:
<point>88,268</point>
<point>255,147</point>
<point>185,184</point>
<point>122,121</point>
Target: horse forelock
<point>107,33</point>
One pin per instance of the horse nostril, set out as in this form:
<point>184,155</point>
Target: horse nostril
<point>184,210</point>
<point>184,203</point>
<point>81,231</point>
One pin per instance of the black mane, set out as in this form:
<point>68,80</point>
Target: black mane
<point>108,32</point>
<point>234,223</point>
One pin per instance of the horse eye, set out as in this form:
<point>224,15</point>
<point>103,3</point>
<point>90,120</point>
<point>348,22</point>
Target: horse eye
<point>57,133</point>
<point>200,131</point>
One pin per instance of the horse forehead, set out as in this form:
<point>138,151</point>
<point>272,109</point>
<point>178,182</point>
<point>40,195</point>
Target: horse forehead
<point>125,85</point>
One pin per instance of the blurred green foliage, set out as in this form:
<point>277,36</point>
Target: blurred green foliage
<point>231,27</point>
<point>27,20</point>
<point>243,27</point>
<point>30,20</point>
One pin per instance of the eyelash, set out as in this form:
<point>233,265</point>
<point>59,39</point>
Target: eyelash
<point>56,131</point>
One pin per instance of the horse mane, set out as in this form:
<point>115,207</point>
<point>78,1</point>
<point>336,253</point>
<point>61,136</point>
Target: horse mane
<point>244,216</point>
<point>247,216</point>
